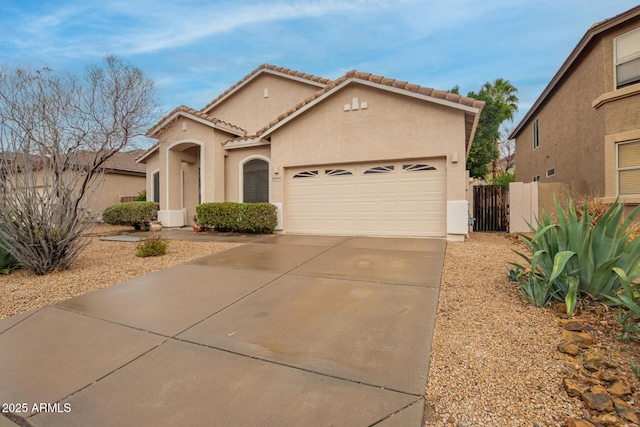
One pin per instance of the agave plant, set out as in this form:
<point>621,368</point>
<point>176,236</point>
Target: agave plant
<point>596,249</point>
<point>538,284</point>
<point>7,262</point>
<point>629,298</point>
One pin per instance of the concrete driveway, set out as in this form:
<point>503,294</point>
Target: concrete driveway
<point>283,331</point>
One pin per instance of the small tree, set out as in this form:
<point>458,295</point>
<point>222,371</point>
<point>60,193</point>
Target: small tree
<point>500,105</point>
<point>56,133</point>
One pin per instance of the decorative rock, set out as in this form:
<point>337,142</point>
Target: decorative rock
<point>631,415</point>
<point>598,399</point>
<point>572,325</point>
<point>578,337</point>
<point>593,356</point>
<point>619,389</point>
<point>607,375</point>
<point>609,420</point>
<point>619,403</point>
<point>575,388</point>
<point>574,422</point>
<point>568,347</point>
<point>589,366</point>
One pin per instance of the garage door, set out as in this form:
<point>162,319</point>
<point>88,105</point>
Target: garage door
<point>379,199</point>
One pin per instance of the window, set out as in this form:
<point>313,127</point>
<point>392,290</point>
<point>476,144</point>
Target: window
<point>536,178</point>
<point>255,181</point>
<point>306,174</point>
<point>418,167</point>
<point>337,172</point>
<point>536,135</point>
<point>379,169</point>
<point>156,187</point>
<point>629,168</point>
<point>626,50</point>
<point>551,172</point>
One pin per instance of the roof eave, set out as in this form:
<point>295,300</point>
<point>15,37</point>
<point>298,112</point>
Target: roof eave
<point>148,153</point>
<point>220,126</point>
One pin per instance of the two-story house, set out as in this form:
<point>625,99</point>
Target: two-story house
<point>584,129</point>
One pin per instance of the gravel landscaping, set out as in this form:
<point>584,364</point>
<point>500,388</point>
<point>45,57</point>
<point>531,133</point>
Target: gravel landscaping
<point>494,360</point>
<point>100,265</point>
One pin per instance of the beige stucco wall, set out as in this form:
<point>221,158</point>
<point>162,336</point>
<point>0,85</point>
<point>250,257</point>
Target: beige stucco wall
<point>191,163</point>
<point>248,107</point>
<point>115,186</point>
<point>571,131</point>
<point>232,168</point>
<point>391,127</point>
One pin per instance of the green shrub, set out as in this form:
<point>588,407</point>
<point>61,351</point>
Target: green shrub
<point>7,262</point>
<point>153,246</point>
<point>503,178</point>
<point>141,197</point>
<point>592,249</point>
<point>136,214</point>
<point>238,217</point>
<point>629,299</point>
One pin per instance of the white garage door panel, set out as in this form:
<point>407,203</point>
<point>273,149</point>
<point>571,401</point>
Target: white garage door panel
<point>397,202</point>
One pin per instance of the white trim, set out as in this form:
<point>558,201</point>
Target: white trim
<point>253,77</point>
<point>616,60</point>
<point>241,174</point>
<point>618,144</point>
<point>253,142</point>
<point>174,144</point>
<point>157,171</point>
<point>380,86</point>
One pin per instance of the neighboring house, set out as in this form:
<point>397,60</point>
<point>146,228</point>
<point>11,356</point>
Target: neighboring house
<point>123,178</point>
<point>361,155</point>
<point>584,129</point>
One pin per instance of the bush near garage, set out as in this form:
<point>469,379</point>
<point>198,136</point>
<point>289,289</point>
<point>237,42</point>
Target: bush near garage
<point>238,217</point>
<point>136,214</point>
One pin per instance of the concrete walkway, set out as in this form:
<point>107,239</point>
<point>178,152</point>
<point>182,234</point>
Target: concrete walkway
<point>283,331</point>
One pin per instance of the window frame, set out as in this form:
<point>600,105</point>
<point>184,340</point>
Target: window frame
<point>241,173</point>
<point>155,186</point>
<point>536,134</point>
<point>617,62</point>
<point>618,169</point>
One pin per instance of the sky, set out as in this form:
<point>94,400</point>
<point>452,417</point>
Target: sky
<point>194,50</point>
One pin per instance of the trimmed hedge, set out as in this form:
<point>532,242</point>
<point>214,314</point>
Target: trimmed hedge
<point>238,217</point>
<point>135,214</point>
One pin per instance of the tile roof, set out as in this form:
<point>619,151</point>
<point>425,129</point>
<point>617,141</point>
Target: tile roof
<point>120,162</point>
<point>438,94</point>
<point>167,119</point>
<point>125,161</point>
<point>260,69</point>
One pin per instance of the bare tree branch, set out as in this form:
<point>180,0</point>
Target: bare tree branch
<point>56,134</point>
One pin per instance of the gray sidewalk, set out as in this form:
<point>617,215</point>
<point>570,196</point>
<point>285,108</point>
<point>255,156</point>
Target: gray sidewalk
<point>282,331</point>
